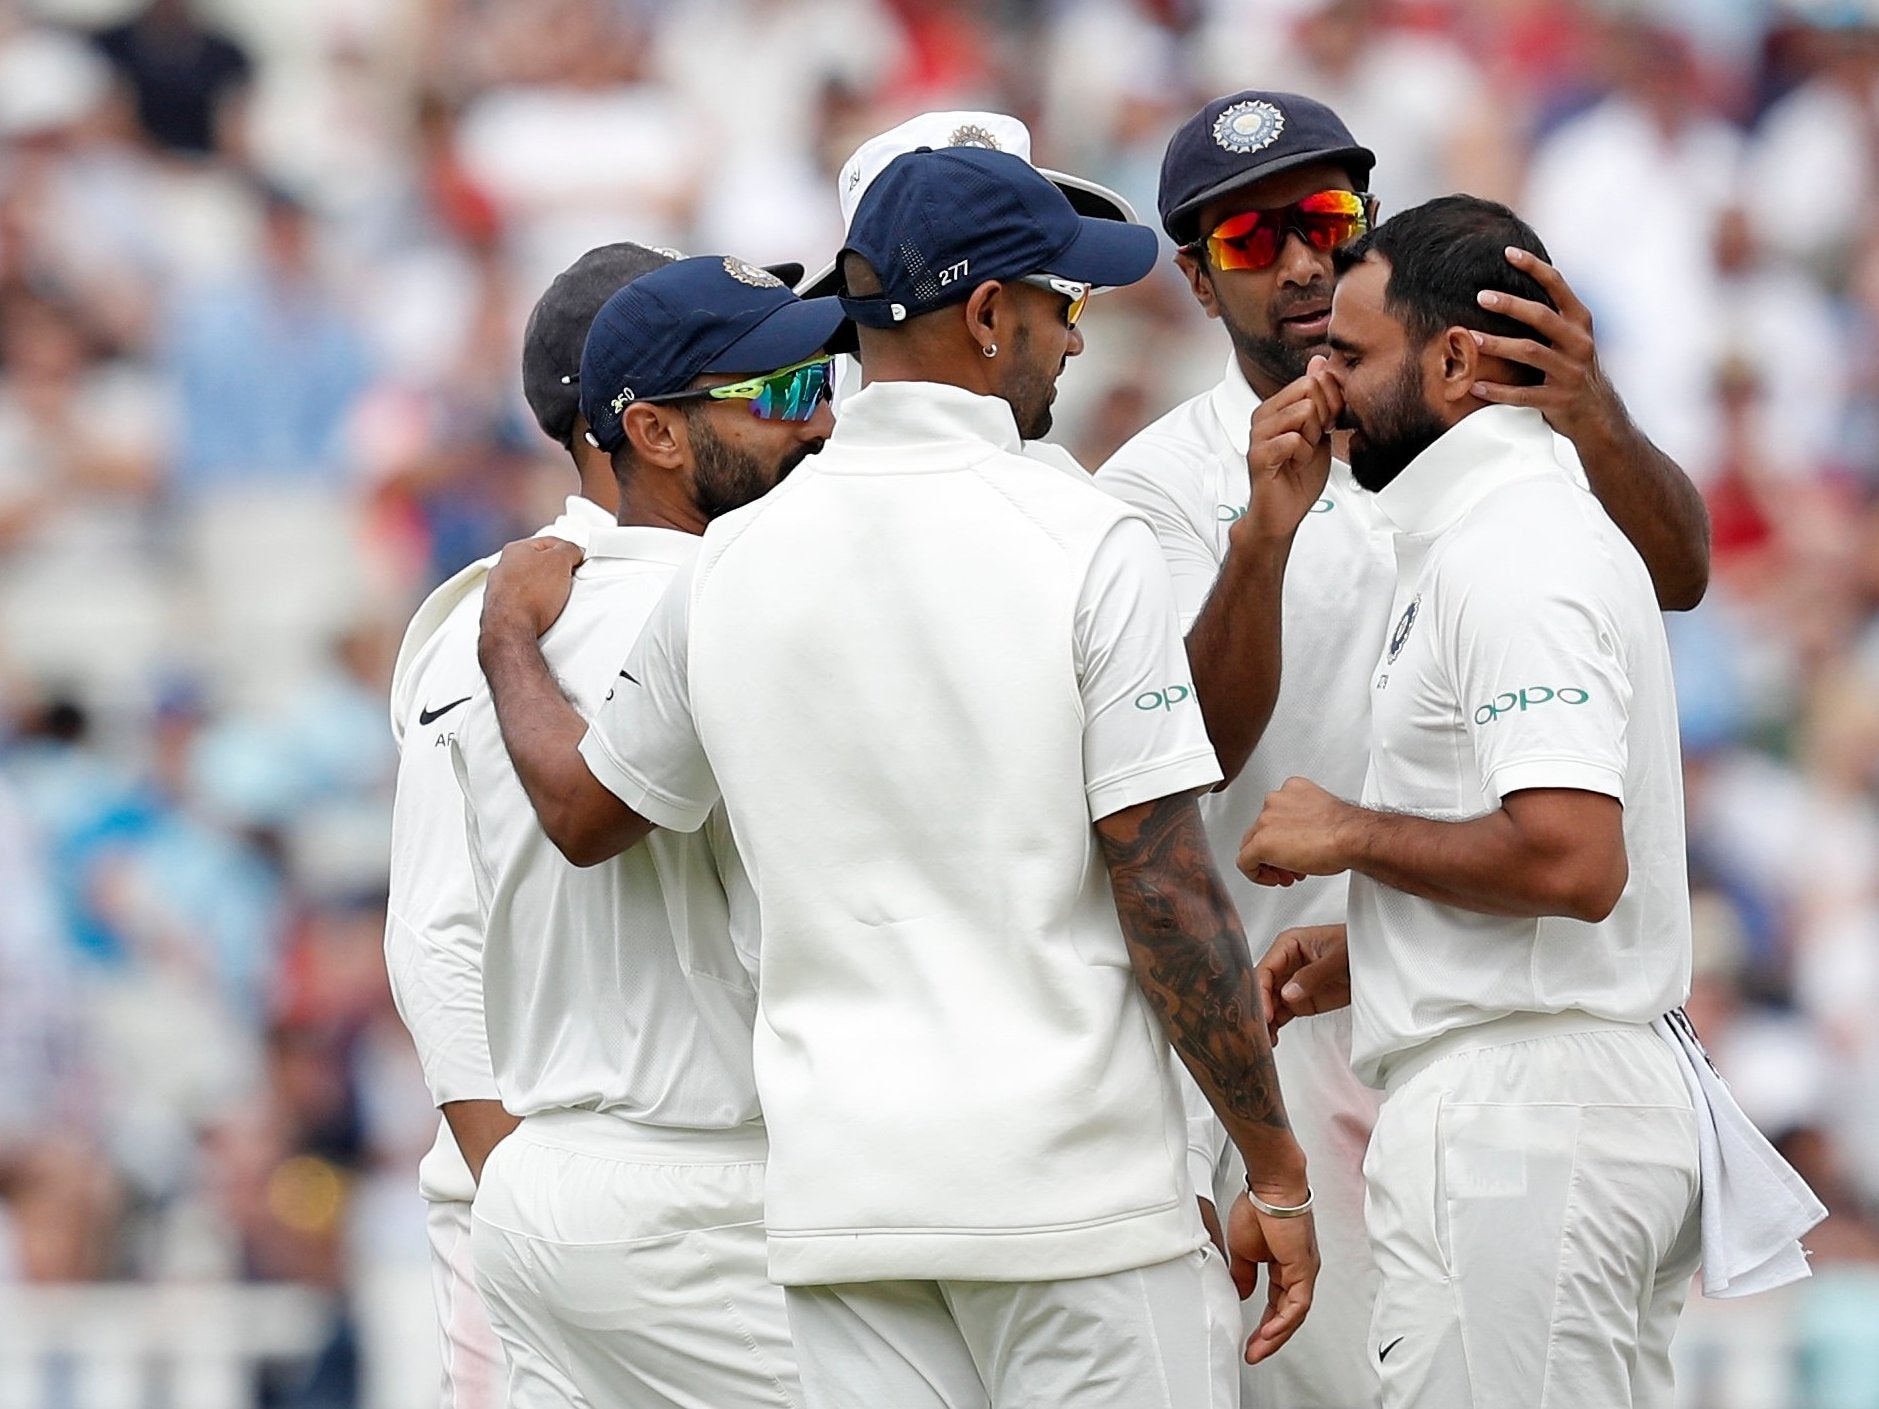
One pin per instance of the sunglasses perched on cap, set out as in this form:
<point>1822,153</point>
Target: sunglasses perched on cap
<point>1078,294</point>
<point>1253,238</point>
<point>787,394</point>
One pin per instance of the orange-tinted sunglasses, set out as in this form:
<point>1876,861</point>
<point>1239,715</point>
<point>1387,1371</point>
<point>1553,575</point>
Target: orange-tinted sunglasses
<point>1253,238</point>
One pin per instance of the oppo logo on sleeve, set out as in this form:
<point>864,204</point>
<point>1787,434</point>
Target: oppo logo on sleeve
<point>1167,697</point>
<point>1530,698</point>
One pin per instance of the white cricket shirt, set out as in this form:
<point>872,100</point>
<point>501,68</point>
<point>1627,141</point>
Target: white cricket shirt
<point>1186,474</point>
<point>918,670</point>
<point>627,988</point>
<point>1526,651</point>
<point>433,933</point>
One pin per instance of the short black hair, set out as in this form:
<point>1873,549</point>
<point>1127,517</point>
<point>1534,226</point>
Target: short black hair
<point>1441,255</point>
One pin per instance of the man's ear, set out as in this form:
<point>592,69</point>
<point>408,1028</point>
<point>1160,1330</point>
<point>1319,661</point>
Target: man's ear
<point>987,311</point>
<point>1458,363</point>
<point>1198,283</point>
<point>652,431</point>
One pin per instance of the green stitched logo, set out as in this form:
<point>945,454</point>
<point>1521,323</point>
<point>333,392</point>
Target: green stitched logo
<point>1529,698</point>
<point>1165,698</point>
<point>1233,513</point>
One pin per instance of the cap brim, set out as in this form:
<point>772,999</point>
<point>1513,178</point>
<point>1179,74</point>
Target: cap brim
<point>1106,253</point>
<point>794,332</point>
<point>1178,222</point>
<point>788,271</point>
<point>1092,198</point>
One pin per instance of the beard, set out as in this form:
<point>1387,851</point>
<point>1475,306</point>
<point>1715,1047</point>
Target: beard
<point>1384,441</point>
<point>1030,389</point>
<point>726,478</point>
<point>1280,358</point>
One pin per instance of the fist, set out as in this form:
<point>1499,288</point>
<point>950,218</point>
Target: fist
<point>1299,832</point>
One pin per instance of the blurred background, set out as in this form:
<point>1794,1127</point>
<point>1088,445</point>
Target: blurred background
<point>263,270</point>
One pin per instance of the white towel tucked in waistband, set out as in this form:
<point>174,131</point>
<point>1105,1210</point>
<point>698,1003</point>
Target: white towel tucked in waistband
<point>1755,1207</point>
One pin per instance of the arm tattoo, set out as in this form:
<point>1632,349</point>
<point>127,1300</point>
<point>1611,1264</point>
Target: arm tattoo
<point>1191,960</point>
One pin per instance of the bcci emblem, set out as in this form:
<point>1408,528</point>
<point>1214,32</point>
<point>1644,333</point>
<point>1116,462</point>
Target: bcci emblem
<point>972,135</point>
<point>1405,624</point>
<point>1249,127</point>
<point>750,274</point>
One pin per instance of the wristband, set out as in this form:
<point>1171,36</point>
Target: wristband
<point>1279,1210</point>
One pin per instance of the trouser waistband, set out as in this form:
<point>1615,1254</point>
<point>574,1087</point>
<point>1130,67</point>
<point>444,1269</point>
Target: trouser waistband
<point>1501,1032</point>
<point>612,1136</point>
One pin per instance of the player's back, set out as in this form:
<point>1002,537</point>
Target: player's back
<point>885,674</point>
<point>627,987</point>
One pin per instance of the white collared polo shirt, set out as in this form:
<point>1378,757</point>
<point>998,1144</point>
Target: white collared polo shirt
<point>627,988</point>
<point>433,931</point>
<point>918,671</point>
<point>1525,651</point>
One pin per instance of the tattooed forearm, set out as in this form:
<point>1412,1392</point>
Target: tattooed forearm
<point>1191,960</point>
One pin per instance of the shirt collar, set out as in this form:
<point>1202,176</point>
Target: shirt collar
<point>916,413</point>
<point>1234,402</point>
<point>1484,450</point>
<point>642,544</point>
<point>578,519</point>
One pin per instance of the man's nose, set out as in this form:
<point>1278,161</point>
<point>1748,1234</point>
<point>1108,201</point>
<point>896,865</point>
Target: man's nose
<point>1299,263</point>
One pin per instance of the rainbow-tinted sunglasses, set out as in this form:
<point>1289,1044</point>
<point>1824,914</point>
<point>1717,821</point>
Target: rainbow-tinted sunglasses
<point>1253,238</point>
<point>787,394</point>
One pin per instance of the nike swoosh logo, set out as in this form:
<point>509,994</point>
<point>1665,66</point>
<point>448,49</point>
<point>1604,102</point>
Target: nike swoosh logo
<point>1384,1354</point>
<point>625,676</point>
<point>431,716</point>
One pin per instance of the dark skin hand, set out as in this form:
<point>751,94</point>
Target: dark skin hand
<point>1651,500</point>
<point>477,1127</point>
<point>1306,971</point>
<point>527,589</point>
<point>1190,960</point>
<point>1233,647</point>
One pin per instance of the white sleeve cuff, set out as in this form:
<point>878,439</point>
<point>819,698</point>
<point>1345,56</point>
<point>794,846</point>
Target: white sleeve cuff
<point>657,807</point>
<point>1188,773</point>
<point>1574,773</point>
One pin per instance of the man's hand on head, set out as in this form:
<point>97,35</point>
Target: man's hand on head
<point>1575,397</point>
<point>530,584</point>
<point>1289,452</point>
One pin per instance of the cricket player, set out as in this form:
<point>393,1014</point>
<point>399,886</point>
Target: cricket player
<point>618,1232</point>
<point>941,692</point>
<point>1259,189</point>
<point>1518,912</point>
<point>433,933</point>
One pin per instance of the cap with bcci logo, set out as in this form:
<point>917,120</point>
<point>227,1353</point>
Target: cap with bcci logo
<point>992,132</point>
<point>1241,138</point>
<point>712,313</point>
<point>934,225</point>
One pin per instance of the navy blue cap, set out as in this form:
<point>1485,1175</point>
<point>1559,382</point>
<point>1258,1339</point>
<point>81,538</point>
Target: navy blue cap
<point>937,224</point>
<point>711,313</point>
<point>1242,138</point>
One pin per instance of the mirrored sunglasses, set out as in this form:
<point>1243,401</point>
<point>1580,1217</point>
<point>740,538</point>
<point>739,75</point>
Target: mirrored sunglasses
<point>1078,294</point>
<point>1253,238</point>
<point>787,394</point>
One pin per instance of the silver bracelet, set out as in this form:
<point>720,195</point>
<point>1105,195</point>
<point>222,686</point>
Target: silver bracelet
<point>1278,1210</point>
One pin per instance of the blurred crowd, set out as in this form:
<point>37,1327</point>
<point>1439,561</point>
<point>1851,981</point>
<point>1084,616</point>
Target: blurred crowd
<point>263,270</point>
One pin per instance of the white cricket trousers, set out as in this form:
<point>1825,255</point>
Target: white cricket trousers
<point>1328,1363</point>
<point>1149,1338</point>
<point>474,1375</point>
<point>1533,1210</point>
<point>623,1265</point>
